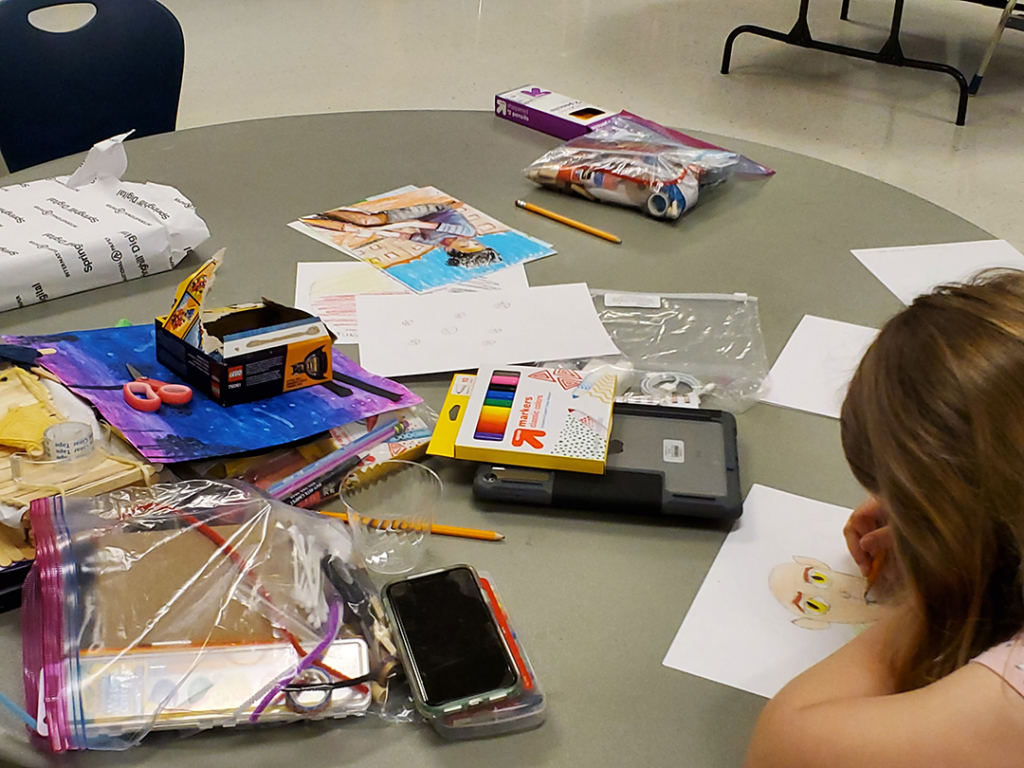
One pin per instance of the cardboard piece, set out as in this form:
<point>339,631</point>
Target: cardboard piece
<point>144,606</point>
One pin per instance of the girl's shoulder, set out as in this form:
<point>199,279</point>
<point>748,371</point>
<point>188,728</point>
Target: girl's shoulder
<point>1007,661</point>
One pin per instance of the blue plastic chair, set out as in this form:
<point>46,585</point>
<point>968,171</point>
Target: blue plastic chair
<point>61,92</point>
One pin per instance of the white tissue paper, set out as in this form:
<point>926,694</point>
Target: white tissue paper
<point>69,234</point>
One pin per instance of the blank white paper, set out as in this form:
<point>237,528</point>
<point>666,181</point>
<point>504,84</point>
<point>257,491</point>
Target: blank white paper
<point>908,272</point>
<point>434,333</point>
<point>815,367</point>
<point>736,631</point>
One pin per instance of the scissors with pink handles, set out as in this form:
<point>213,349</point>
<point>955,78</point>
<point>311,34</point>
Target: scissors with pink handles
<point>145,394</point>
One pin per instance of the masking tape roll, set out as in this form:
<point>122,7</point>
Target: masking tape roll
<point>68,440</point>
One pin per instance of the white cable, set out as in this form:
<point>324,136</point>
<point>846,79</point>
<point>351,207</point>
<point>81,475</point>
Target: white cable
<point>654,384</point>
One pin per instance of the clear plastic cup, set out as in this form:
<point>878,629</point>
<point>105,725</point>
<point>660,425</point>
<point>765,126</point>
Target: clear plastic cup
<point>390,517</point>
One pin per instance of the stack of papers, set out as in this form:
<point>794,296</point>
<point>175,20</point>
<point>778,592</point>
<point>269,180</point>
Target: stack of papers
<point>440,286</point>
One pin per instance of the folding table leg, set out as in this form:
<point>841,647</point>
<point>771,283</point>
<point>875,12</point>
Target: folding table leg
<point>889,53</point>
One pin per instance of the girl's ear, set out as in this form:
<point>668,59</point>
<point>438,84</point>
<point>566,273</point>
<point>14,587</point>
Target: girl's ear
<point>811,623</point>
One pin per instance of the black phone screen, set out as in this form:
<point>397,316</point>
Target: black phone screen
<point>455,644</point>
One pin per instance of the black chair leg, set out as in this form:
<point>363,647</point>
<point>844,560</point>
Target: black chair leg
<point>844,12</point>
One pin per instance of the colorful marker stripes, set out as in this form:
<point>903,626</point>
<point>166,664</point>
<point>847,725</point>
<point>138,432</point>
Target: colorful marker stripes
<point>497,407</point>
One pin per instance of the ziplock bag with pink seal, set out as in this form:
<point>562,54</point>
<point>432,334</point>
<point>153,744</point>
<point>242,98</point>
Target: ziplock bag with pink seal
<point>195,605</point>
<point>633,162</point>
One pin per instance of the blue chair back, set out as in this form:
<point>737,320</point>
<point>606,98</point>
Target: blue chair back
<point>61,92</point>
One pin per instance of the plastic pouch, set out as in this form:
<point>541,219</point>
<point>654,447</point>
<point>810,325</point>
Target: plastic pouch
<point>685,350</point>
<point>195,605</point>
<point>521,712</point>
<point>518,708</point>
<point>626,162</point>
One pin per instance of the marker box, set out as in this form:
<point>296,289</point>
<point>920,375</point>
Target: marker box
<point>549,418</point>
<point>549,112</point>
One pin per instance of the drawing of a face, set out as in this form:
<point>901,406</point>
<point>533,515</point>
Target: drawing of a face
<point>820,596</point>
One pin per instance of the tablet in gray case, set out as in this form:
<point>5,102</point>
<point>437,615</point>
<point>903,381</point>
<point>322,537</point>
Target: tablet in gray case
<point>661,461</point>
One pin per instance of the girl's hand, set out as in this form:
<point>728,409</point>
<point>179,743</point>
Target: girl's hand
<point>868,533</point>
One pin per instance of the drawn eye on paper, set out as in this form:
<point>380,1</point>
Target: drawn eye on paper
<point>488,342</point>
<point>407,323</point>
<point>503,305</point>
<point>414,342</point>
<point>450,330</point>
<point>494,330</point>
<point>820,596</point>
<point>459,315</point>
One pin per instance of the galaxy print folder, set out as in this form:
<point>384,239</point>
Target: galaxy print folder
<point>550,418</point>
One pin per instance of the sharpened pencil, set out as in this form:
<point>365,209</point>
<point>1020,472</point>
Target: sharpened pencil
<point>567,221</point>
<point>440,530</point>
<point>877,564</point>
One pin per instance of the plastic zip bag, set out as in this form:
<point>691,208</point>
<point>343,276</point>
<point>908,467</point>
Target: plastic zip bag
<point>195,605</point>
<point>626,162</point>
<point>707,343</point>
<point>678,349</point>
<point>744,167</point>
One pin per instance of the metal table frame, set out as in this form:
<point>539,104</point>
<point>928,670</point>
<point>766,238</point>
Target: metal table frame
<point>891,51</point>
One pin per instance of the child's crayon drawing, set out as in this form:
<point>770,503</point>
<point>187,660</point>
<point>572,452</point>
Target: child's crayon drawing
<point>423,238</point>
<point>820,596</point>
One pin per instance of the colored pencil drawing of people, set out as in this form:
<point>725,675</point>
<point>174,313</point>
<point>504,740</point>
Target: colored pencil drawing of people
<point>820,596</point>
<point>434,224</point>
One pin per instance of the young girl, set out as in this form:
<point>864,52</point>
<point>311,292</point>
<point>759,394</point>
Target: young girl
<point>933,428</point>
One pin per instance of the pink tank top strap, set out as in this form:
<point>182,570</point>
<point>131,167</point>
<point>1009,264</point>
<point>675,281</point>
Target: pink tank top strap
<point>1007,661</point>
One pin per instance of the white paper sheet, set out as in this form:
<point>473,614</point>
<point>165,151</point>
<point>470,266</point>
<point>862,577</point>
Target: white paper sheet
<point>70,234</point>
<point>738,632</point>
<point>816,365</point>
<point>328,289</point>
<point>908,272</point>
<point>409,335</point>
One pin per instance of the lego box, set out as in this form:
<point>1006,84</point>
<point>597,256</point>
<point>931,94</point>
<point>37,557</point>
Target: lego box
<point>244,352</point>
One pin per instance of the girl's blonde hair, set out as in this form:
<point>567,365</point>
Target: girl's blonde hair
<point>933,424</point>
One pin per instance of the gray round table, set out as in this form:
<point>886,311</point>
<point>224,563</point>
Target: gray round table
<point>597,598</point>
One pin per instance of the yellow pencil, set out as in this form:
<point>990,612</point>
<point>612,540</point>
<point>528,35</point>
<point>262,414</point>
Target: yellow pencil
<point>567,221</point>
<point>440,530</point>
<point>877,564</point>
